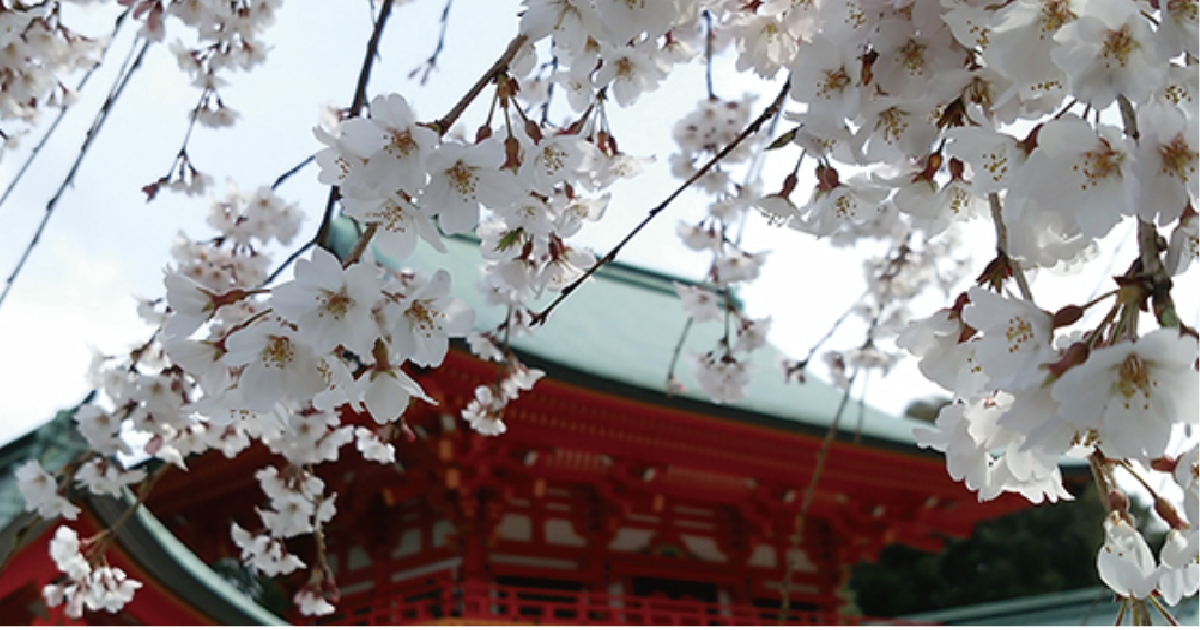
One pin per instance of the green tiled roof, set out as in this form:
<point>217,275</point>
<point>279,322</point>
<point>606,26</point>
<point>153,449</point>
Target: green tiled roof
<point>1083,607</point>
<point>622,327</point>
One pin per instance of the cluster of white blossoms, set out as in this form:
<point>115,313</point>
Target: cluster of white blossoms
<point>38,51</point>
<point>84,583</point>
<point>937,112</point>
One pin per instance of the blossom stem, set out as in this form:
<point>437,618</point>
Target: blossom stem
<point>809,493</point>
<point>361,245</point>
<point>1162,610</point>
<point>1150,249</point>
<point>1121,612</point>
<point>751,129</point>
<point>1002,247</point>
<point>1100,472</point>
<point>1098,299</point>
<point>687,326</point>
<point>1145,484</point>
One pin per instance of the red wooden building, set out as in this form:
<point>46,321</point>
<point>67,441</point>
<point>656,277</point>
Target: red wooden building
<point>607,502</point>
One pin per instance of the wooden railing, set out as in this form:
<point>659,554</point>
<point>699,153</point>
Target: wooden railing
<point>439,600</point>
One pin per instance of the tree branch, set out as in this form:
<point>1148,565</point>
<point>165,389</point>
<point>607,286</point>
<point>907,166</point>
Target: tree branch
<point>443,124</point>
<point>540,317</point>
<point>93,131</point>
<point>1002,246</point>
<point>62,112</point>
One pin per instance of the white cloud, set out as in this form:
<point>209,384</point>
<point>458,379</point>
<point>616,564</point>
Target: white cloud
<point>70,305</point>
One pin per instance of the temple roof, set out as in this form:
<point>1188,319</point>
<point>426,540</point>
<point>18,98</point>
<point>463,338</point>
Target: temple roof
<point>622,327</point>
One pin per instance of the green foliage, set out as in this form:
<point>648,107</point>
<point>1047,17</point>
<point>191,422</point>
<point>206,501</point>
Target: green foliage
<point>1042,550</point>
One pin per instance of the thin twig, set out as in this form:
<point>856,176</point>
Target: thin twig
<point>687,326</point>
<point>1163,611</point>
<point>292,171</point>
<point>430,64</point>
<point>62,112</point>
<point>287,263</point>
<point>751,129</point>
<point>93,131</point>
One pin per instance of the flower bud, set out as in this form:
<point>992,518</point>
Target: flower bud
<point>1067,315</point>
<point>1167,513</point>
<point>1165,464</point>
<point>1076,354</point>
<point>1118,502</point>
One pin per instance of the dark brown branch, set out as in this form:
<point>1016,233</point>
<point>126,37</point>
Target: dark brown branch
<point>292,171</point>
<point>540,317</point>
<point>443,124</point>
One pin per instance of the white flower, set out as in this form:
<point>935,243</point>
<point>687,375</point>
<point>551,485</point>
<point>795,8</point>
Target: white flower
<point>464,177</point>
<point>109,589</point>
<point>40,490</point>
<point>701,304</point>
<point>1082,173</point>
<point>1134,393</point>
<point>631,70</point>
<point>764,45</point>
<point>1168,157</point>
<point>312,605</point>
<point>1016,339</point>
<point>400,223</point>
<point>1179,572</point>
<point>332,305</point>
<point>264,553</point>
<point>1125,562</point>
<point>966,459</point>
<point>519,379</point>
<point>752,334</point>
<point>723,378</point>
<point>104,477</point>
<point>372,448</point>
<point>191,305</point>
<point>393,144</point>
<point>425,322</point>
<point>554,161</point>
<point>387,393</point>
<point>277,364</point>
<point>1110,50</point>
<point>484,412</point>
<point>738,266</point>
<point>826,76</point>
<point>64,550</point>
